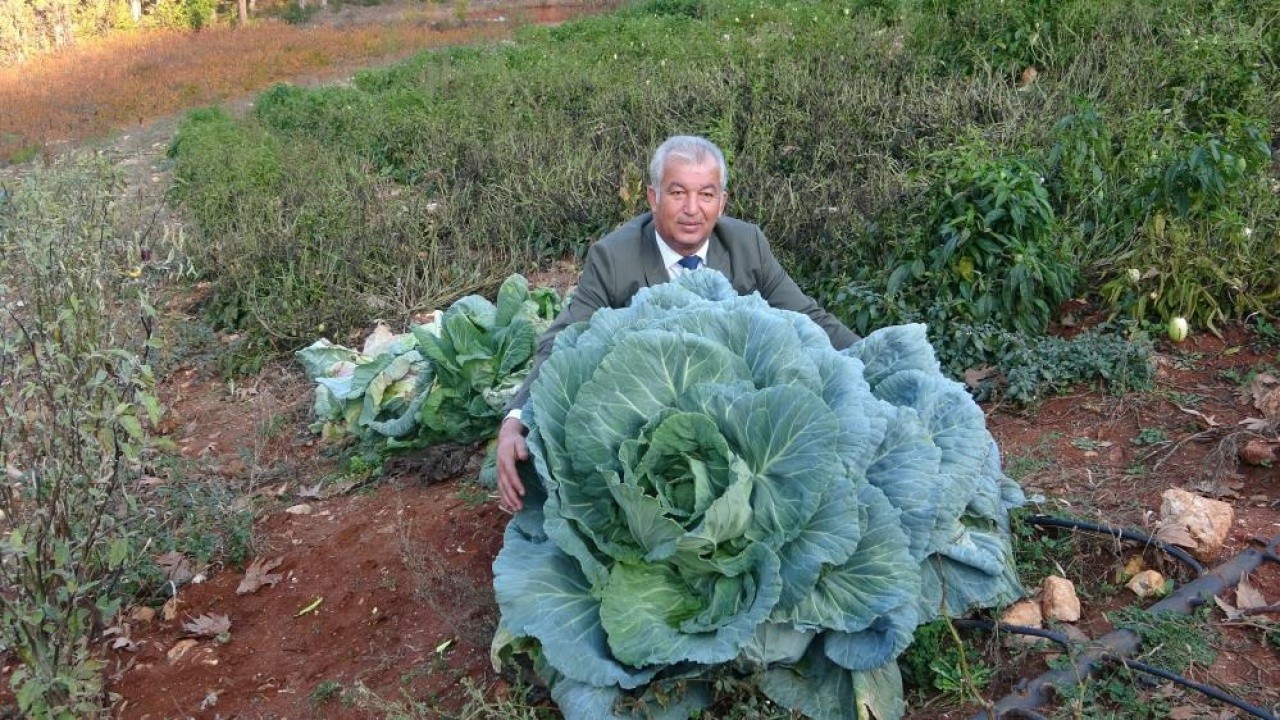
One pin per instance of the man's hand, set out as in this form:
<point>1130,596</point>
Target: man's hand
<point>511,448</point>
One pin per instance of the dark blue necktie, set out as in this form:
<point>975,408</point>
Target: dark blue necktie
<point>692,262</point>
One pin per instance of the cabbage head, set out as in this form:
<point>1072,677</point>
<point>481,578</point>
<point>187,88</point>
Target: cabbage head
<point>718,491</point>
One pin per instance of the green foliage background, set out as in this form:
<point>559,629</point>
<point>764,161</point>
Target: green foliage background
<point>897,153</point>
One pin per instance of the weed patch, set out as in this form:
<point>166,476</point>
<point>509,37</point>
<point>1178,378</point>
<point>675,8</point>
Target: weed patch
<point>75,428</point>
<point>901,140</point>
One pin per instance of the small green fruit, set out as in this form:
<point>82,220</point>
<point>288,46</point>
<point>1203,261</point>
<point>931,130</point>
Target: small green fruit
<point>1178,329</point>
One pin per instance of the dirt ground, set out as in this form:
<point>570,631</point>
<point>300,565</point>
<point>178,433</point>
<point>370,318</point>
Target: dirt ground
<point>384,588</point>
<point>401,569</point>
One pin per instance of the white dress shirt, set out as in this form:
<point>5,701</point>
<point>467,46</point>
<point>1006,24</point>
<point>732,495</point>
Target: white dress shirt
<point>671,258</point>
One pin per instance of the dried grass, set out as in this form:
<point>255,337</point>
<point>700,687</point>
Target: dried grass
<point>123,80</point>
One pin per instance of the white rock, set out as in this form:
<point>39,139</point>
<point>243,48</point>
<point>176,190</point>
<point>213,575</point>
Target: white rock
<point>1058,599</point>
<point>302,509</point>
<point>1146,584</point>
<point>1199,524</point>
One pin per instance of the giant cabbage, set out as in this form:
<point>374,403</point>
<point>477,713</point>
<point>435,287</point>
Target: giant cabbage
<point>718,490</point>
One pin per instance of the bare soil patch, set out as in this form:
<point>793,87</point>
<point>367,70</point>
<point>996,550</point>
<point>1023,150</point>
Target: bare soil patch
<point>403,569</point>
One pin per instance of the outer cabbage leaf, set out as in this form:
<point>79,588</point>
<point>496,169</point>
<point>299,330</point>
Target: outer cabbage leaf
<point>542,592</point>
<point>815,686</point>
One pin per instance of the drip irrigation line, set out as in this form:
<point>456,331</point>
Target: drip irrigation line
<point>1026,714</point>
<point>1121,533</point>
<point>1063,640</point>
<point>1209,690</point>
<point>992,626</point>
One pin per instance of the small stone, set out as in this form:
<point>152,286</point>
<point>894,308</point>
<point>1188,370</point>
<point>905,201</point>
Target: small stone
<point>1058,599</point>
<point>1147,583</point>
<point>299,509</point>
<point>1259,452</point>
<point>1025,613</point>
<point>1206,521</point>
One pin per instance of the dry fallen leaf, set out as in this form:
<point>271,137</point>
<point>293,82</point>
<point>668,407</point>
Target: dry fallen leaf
<point>1247,596</point>
<point>300,509</point>
<point>973,377</point>
<point>176,566</point>
<point>170,610</point>
<point>207,626</point>
<point>142,614</point>
<point>1185,712</point>
<point>124,643</point>
<point>1257,425</point>
<point>1132,566</point>
<point>1176,535</point>
<point>258,574</point>
<point>310,493</point>
<point>1231,611</point>
<point>1208,420</point>
<point>182,647</point>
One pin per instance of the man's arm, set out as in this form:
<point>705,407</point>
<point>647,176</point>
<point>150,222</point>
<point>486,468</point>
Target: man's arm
<point>777,287</point>
<point>591,294</point>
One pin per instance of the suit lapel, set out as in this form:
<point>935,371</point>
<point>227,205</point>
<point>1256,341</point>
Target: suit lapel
<point>717,256</point>
<point>655,273</point>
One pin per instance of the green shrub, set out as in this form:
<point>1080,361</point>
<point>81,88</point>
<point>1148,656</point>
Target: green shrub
<point>75,335</point>
<point>989,249</point>
<point>1204,245</point>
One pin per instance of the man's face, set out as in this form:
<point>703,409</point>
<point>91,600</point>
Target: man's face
<point>687,205</point>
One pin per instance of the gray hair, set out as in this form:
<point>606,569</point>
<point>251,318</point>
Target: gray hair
<point>689,148</point>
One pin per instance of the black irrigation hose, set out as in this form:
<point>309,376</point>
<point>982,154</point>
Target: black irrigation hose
<point>990,626</point>
<point>1025,713</point>
<point>1064,641</point>
<point>1209,690</point>
<point>1172,550</point>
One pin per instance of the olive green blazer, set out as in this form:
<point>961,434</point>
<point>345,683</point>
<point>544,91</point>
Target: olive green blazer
<point>628,259</point>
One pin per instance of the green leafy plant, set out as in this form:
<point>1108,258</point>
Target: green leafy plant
<point>722,488</point>
<point>1149,436</point>
<point>1037,553</point>
<point>75,334</point>
<point>325,692</point>
<point>447,380</point>
<point>990,247</point>
<point>481,352</point>
<point>1080,163</point>
<point>1035,367</point>
<point>938,660</point>
<point>1172,641</point>
<point>1198,256</point>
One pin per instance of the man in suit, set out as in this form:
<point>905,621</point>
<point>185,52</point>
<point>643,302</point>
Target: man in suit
<point>685,230</point>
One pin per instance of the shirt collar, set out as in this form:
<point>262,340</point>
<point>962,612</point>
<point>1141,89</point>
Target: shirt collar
<point>671,257</point>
